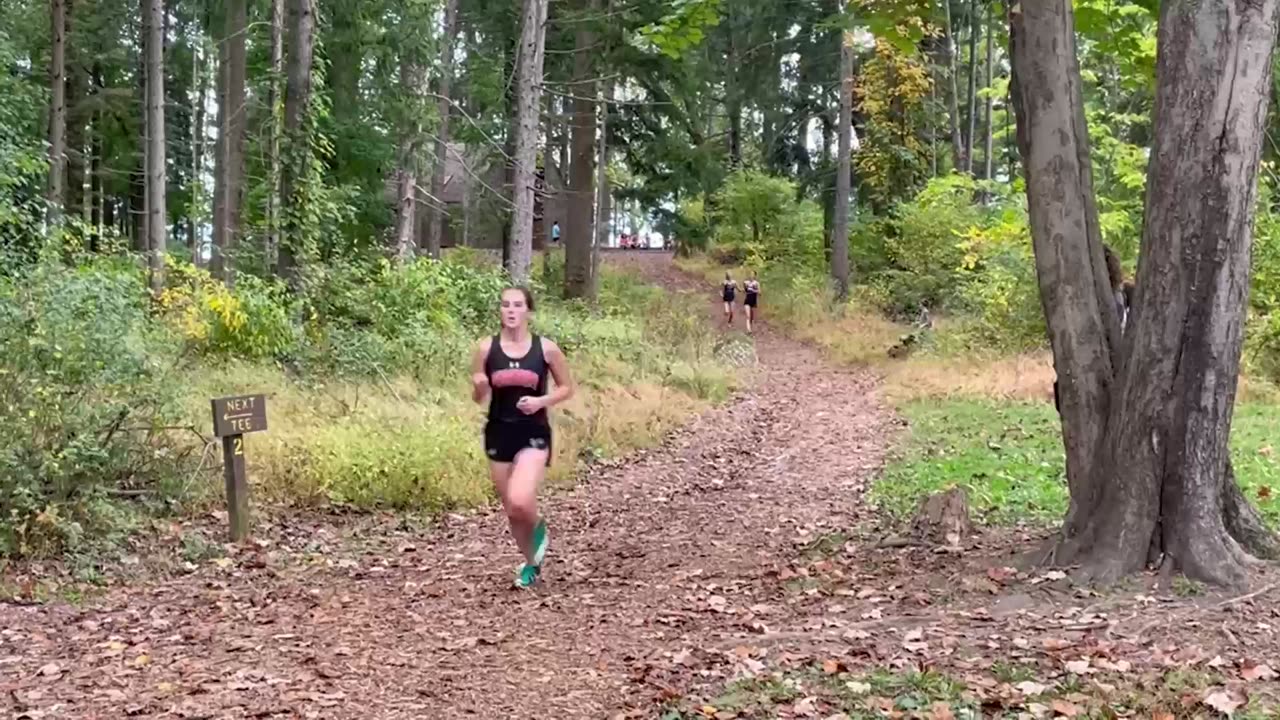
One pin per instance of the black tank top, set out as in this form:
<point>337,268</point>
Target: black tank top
<point>513,378</point>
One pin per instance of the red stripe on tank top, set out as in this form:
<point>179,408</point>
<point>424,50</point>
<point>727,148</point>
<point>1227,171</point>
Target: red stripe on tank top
<point>516,377</point>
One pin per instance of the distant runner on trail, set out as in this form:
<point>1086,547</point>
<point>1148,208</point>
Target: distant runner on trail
<point>727,294</point>
<point>752,288</point>
<point>510,369</point>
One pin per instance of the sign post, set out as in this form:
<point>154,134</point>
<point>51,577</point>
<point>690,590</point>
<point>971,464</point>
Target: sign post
<point>233,417</point>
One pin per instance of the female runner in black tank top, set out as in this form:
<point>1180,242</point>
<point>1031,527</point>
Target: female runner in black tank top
<point>752,288</point>
<point>727,294</point>
<point>511,370</point>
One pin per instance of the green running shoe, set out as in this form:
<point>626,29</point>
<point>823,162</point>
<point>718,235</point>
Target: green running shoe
<point>539,542</point>
<point>527,576</point>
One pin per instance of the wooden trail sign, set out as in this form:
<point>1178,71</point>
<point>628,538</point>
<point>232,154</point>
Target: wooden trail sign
<point>233,417</point>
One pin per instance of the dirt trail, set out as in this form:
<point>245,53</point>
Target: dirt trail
<point>652,563</point>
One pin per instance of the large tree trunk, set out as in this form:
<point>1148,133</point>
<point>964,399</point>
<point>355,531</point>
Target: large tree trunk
<point>157,179</point>
<point>411,81</point>
<point>953,90</point>
<point>971,128</point>
<point>77,117</point>
<point>1146,423</point>
<point>229,180</point>
<point>55,191</point>
<point>201,77</point>
<point>844,167</point>
<point>989,137</point>
<point>297,103</point>
<point>520,257</point>
<point>437,209</point>
<point>603,196</point>
<point>579,233</point>
<point>275,130</point>
<point>1084,331</point>
<point>97,194</point>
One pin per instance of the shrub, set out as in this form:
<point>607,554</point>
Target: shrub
<point>999,288</point>
<point>87,395</point>
<point>923,247</point>
<point>249,321</point>
<point>758,220</point>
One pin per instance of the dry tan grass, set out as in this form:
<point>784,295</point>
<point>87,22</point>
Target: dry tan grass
<point>1020,377</point>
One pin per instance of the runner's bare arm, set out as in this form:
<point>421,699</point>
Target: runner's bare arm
<point>480,381</point>
<point>565,386</point>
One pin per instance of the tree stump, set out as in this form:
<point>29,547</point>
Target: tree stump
<point>943,518</point>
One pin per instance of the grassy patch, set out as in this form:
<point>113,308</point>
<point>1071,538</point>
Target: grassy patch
<point>413,443</point>
<point>1008,455</point>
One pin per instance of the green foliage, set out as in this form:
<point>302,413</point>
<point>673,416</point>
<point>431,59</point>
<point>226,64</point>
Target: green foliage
<point>681,29</point>
<point>759,217</point>
<point>924,247</point>
<point>692,230</point>
<point>249,321</point>
<point>23,167</point>
<point>86,394</point>
<point>1262,352</point>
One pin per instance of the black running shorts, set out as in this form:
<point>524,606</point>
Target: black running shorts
<point>504,440</point>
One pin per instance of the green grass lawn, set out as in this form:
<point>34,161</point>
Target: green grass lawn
<point>1009,457</point>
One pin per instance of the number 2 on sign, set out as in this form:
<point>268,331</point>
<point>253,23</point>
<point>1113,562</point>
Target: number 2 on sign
<point>237,446</point>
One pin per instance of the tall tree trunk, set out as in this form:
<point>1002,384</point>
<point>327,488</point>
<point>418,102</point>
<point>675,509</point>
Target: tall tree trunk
<point>933,127</point>
<point>232,121</point>
<point>201,77</point>
<point>157,179</point>
<point>411,81</point>
<point>603,196</point>
<point>971,129</point>
<point>275,130</point>
<point>98,202</point>
<point>55,191</point>
<point>532,37</point>
<point>1146,423</point>
<point>988,143</point>
<point>77,116</point>
<point>844,166</point>
<point>953,96</point>
<point>297,103</point>
<point>579,233</point>
<point>437,209</point>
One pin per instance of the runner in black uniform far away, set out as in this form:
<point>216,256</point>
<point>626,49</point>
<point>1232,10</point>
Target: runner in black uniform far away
<point>727,294</point>
<point>752,287</point>
<point>510,369</point>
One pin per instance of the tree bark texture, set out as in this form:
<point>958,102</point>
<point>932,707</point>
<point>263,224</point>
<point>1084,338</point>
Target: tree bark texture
<point>157,179</point>
<point>297,103</point>
<point>77,116</point>
<point>55,190</point>
<point>579,227</point>
<point>989,135</point>
<point>971,116</point>
<point>201,77</point>
<point>1146,417</point>
<point>844,168</point>
<point>411,86</point>
<point>953,95</point>
<point>520,257</point>
<point>276,130</point>
<point>232,122</point>
<point>603,196</point>
<point>436,209</point>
